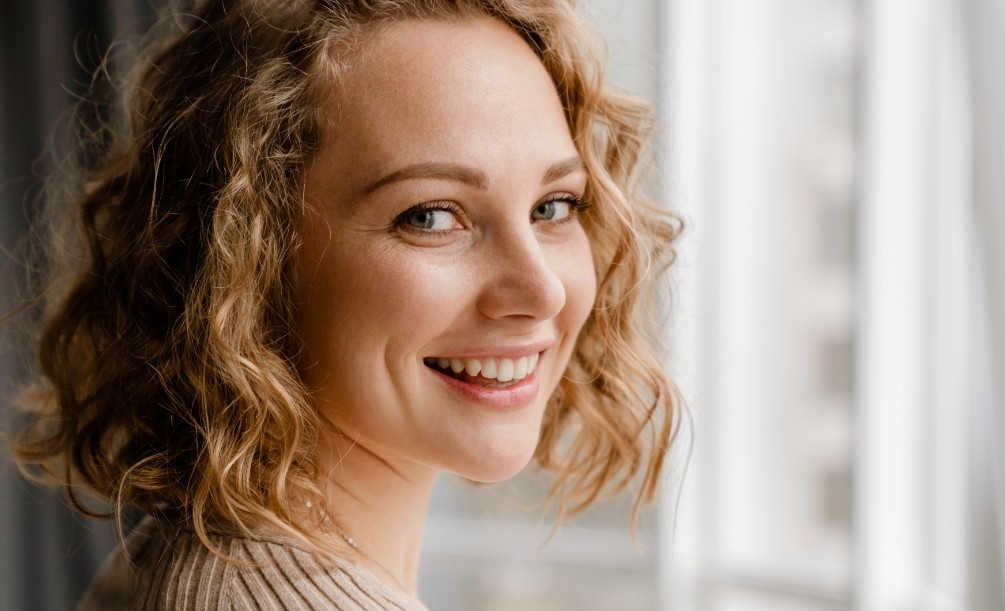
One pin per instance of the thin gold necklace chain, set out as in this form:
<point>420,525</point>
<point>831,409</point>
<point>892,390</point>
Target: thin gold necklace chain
<point>353,544</point>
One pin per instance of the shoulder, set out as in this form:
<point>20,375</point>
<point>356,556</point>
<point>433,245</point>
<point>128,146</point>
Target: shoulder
<point>164,568</point>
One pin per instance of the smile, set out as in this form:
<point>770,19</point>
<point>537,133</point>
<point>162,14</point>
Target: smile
<point>485,371</point>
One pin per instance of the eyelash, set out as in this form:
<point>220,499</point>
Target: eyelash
<point>577,204</point>
<point>400,222</point>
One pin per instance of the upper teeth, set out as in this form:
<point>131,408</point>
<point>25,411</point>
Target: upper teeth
<point>501,369</point>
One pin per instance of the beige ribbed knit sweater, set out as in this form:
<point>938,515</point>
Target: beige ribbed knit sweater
<point>169,569</point>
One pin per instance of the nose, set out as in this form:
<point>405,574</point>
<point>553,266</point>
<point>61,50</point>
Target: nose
<point>524,282</point>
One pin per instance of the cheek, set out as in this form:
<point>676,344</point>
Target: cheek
<point>375,297</point>
<point>580,282</point>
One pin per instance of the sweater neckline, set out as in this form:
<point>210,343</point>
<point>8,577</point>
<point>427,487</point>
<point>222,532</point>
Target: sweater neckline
<point>271,537</point>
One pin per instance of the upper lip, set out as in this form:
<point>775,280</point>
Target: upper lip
<point>500,350</point>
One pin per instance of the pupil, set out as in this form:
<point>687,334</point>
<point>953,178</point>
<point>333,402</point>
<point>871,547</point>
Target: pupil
<point>546,210</point>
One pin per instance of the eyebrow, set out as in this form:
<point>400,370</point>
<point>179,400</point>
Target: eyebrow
<point>563,168</point>
<point>466,174</point>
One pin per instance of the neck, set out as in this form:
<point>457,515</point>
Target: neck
<point>381,504</point>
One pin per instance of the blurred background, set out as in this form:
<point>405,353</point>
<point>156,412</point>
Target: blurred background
<point>837,324</point>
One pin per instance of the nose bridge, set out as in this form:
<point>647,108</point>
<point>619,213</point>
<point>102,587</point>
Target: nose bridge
<point>524,281</point>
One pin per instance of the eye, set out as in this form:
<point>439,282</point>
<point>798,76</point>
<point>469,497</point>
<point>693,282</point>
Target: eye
<point>431,217</point>
<point>558,208</point>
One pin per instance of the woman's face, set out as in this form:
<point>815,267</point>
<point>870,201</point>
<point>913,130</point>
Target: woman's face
<point>442,235</point>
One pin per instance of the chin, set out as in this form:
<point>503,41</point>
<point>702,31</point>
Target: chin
<point>496,464</point>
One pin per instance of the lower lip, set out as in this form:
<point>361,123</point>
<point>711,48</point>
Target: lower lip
<point>499,397</point>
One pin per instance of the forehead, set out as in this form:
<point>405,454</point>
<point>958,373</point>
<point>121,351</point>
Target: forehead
<point>469,90</point>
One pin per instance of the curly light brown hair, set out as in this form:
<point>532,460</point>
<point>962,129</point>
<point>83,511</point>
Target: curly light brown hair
<point>168,380</point>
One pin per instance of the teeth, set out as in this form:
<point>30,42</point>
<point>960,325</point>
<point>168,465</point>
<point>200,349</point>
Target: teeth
<point>489,368</point>
<point>505,373</point>
<point>520,368</point>
<point>501,369</point>
<point>473,367</point>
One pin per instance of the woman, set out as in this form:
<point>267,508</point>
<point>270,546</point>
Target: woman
<point>335,249</point>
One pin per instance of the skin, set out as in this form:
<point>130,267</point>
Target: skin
<point>500,266</point>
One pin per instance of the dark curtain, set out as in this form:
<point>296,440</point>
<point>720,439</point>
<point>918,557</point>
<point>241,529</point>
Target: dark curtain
<point>47,50</point>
